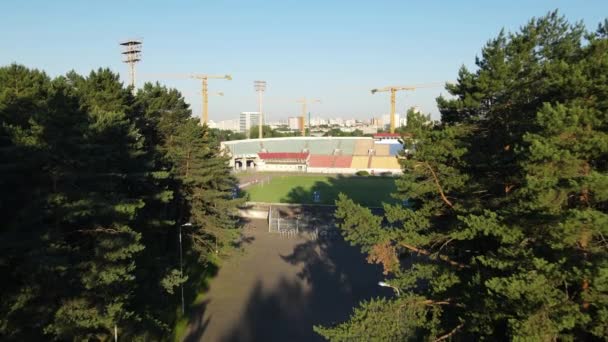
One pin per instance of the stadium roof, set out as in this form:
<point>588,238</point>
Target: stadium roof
<point>283,155</point>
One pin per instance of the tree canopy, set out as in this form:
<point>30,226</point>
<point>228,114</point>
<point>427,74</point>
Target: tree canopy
<point>504,234</point>
<point>96,182</point>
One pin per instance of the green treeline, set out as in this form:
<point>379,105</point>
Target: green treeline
<point>506,233</point>
<point>94,184</point>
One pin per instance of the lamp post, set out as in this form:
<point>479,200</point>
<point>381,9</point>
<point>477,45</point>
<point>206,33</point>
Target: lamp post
<point>383,284</point>
<point>181,263</point>
<point>260,87</point>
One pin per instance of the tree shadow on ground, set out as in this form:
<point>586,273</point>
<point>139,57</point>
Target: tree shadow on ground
<point>367,191</point>
<point>334,278</point>
<point>200,275</point>
<point>197,329</point>
<point>244,238</point>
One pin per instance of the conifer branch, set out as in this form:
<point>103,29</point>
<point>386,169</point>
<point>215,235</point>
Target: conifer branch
<point>445,244</point>
<point>98,230</point>
<point>439,188</point>
<point>432,302</point>
<point>448,335</point>
<point>428,302</point>
<point>202,241</point>
<point>425,252</point>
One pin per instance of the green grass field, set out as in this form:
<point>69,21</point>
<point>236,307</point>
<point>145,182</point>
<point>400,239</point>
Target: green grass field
<point>367,191</point>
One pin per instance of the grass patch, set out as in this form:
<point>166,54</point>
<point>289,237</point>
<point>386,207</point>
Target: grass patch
<point>367,191</point>
<point>180,329</point>
<point>195,292</point>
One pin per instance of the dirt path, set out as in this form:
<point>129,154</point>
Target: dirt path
<point>280,287</point>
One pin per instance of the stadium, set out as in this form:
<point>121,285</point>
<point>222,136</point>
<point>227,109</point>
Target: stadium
<point>334,155</point>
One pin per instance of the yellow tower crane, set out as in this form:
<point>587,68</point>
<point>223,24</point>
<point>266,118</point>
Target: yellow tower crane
<point>304,101</point>
<point>394,89</point>
<point>204,92</point>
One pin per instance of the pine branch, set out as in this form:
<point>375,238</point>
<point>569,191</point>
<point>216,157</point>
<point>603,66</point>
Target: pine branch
<point>425,252</point>
<point>439,188</point>
<point>428,302</point>
<point>432,302</point>
<point>445,244</point>
<point>202,241</point>
<point>98,230</point>
<point>448,335</point>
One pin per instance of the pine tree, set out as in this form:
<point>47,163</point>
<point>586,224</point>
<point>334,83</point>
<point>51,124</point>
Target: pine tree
<point>505,235</point>
<point>205,191</point>
<point>95,191</point>
<point>102,202</point>
<point>26,259</point>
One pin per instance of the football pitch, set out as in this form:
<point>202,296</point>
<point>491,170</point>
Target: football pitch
<point>310,189</point>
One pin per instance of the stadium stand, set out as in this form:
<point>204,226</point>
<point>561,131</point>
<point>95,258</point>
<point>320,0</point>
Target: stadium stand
<point>379,162</point>
<point>348,147</point>
<point>394,149</point>
<point>283,161</point>
<point>381,149</point>
<point>271,145</point>
<point>317,160</point>
<point>359,162</point>
<point>325,146</point>
<point>342,161</point>
<point>288,157</point>
<point>252,147</point>
<point>362,147</point>
<point>345,155</point>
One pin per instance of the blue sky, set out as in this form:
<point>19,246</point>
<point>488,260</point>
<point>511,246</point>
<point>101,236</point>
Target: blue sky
<point>332,50</point>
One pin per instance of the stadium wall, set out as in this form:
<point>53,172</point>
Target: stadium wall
<point>281,167</point>
<point>331,170</point>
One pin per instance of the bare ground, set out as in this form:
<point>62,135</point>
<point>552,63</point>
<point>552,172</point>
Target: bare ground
<point>280,287</point>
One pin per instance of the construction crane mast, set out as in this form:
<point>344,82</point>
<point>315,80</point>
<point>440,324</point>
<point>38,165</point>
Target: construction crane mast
<point>204,78</point>
<point>304,103</point>
<point>394,90</point>
<point>204,91</point>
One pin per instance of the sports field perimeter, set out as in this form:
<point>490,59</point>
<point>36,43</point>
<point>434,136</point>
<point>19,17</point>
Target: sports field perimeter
<point>367,191</point>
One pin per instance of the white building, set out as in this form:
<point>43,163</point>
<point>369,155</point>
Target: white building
<point>294,123</point>
<point>369,129</point>
<point>230,125</point>
<point>336,121</point>
<point>386,121</point>
<point>248,120</point>
<point>318,121</point>
<point>350,122</point>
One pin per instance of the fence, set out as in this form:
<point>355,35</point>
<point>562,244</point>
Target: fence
<point>292,222</point>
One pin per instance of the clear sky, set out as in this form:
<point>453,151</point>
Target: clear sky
<point>332,50</point>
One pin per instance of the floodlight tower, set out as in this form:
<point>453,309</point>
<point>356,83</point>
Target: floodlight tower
<point>260,87</point>
<point>132,55</point>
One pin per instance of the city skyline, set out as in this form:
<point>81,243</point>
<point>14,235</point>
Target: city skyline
<point>324,50</point>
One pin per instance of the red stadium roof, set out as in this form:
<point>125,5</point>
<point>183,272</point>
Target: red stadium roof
<point>283,155</point>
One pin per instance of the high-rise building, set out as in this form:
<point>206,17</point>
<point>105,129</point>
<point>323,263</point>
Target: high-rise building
<point>376,122</point>
<point>248,120</point>
<point>386,120</point>
<point>294,123</point>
